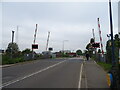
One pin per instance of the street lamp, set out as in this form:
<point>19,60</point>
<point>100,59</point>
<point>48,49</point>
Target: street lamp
<point>63,44</point>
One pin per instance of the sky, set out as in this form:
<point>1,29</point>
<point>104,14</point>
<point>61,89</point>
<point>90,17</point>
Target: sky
<point>72,21</point>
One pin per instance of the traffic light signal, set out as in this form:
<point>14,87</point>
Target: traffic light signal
<point>96,45</point>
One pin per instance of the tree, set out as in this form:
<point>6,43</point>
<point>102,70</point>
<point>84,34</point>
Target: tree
<point>117,40</point>
<point>12,47</point>
<point>109,48</point>
<point>84,51</point>
<point>92,40</point>
<point>89,47</point>
<point>108,51</point>
<point>26,51</point>
<point>117,46</point>
<point>79,52</point>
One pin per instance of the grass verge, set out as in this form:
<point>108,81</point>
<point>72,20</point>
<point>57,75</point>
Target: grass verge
<point>105,66</point>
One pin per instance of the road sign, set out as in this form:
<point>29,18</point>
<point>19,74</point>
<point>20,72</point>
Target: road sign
<point>34,46</point>
<point>96,45</point>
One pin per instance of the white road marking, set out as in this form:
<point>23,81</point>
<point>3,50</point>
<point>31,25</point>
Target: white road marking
<point>95,62</point>
<point>2,66</point>
<point>11,82</point>
<point>86,86</point>
<point>80,79</point>
<point>75,58</point>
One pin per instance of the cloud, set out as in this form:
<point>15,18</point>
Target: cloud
<point>65,21</point>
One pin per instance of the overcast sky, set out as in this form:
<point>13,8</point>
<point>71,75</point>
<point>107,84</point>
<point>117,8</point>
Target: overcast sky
<point>72,21</point>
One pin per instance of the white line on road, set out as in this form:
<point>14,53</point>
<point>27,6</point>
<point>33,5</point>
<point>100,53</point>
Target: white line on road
<point>86,86</point>
<point>95,62</point>
<point>11,82</point>
<point>80,79</point>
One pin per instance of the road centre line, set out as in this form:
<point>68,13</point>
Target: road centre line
<point>80,79</point>
<point>11,82</point>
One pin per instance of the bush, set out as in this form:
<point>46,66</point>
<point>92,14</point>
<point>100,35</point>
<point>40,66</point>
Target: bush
<point>6,59</point>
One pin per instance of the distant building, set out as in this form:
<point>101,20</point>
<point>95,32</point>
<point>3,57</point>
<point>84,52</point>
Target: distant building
<point>72,54</point>
<point>65,51</point>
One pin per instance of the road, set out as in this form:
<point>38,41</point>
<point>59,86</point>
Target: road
<point>54,73</point>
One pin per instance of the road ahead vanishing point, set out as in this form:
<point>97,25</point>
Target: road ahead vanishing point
<point>55,73</point>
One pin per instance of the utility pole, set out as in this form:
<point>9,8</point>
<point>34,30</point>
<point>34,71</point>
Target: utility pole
<point>111,29</point>
<point>12,43</point>
<point>47,41</point>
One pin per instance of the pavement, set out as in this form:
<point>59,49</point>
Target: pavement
<point>93,75</point>
<point>55,73</point>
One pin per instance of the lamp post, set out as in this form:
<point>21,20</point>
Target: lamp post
<point>114,73</point>
<point>63,44</point>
